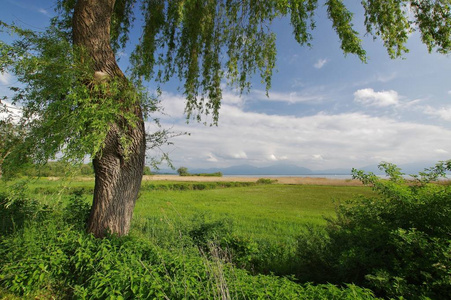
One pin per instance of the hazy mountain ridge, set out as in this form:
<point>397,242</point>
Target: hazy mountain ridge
<point>292,170</point>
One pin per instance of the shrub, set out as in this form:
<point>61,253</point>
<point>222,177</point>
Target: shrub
<point>15,211</point>
<point>204,232</point>
<point>77,210</point>
<point>398,244</point>
<point>147,171</point>
<point>266,181</point>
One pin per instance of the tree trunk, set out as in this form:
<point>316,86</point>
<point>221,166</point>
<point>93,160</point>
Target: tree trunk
<point>117,178</point>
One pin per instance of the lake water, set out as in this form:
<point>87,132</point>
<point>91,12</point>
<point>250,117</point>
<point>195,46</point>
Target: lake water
<point>328,176</point>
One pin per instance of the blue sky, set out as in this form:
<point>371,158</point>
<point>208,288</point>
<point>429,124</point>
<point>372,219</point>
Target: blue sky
<point>325,110</point>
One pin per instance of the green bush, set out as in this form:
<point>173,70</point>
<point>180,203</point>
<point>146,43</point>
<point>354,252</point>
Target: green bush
<point>147,171</point>
<point>77,210</point>
<point>398,244</point>
<point>16,211</point>
<point>203,232</point>
<point>266,181</point>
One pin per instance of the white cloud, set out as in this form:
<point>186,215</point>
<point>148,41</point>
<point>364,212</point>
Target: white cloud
<point>43,11</point>
<point>238,155</point>
<point>320,63</point>
<point>232,98</point>
<point>273,157</point>
<point>290,97</point>
<point>5,78</point>
<point>121,54</point>
<point>443,113</point>
<point>347,140</point>
<point>317,157</point>
<point>10,111</point>
<point>211,158</point>
<point>372,98</point>
<point>441,151</point>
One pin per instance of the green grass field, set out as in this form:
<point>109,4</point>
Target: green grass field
<point>261,211</point>
<point>199,239</point>
<point>268,211</point>
<point>269,217</point>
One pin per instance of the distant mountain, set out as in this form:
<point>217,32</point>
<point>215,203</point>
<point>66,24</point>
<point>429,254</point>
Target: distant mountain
<point>281,169</point>
<point>333,172</point>
<point>293,170</point>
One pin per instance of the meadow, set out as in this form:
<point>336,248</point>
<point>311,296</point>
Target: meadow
<point>229,240</point>
<point>265,212</point>
<point>273,212</point>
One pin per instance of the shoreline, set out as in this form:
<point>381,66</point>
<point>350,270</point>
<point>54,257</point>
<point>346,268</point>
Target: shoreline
<point>279,180</point>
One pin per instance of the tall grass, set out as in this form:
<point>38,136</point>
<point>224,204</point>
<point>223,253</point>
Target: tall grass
<point>264,221</point>
<point>260,222</point>
<point>52,257</point>
<point>229,243</point>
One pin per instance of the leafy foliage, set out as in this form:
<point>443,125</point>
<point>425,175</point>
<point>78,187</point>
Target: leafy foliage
<point>12,133</point>
<point>183,171</point>
<point>397,244</point>
<point>64,107</point>
<point>51,256</point>
<point>266,181</point>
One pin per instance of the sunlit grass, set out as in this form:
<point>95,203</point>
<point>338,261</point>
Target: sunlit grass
<point>273,211</point>
<point>262,211</point>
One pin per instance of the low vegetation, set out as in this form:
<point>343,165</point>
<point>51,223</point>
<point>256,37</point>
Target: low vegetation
<point>183,171</point>
<point>45,253</point>
<point>233,241</point>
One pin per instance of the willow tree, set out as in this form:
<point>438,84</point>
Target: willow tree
<point>78,101</point>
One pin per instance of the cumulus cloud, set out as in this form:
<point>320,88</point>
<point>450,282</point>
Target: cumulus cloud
<point>370,97</point>
<point>347,140</point>
<point>320,63</point>
<point>443,113</point>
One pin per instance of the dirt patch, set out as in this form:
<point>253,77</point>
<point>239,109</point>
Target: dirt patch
<point>280,180</point>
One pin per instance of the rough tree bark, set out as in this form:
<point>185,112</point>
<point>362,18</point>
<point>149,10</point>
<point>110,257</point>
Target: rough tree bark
<point>117,178</point>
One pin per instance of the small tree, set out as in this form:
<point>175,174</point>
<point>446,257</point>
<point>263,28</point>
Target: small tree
<point>147,170</point>
<point>182,171</point>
